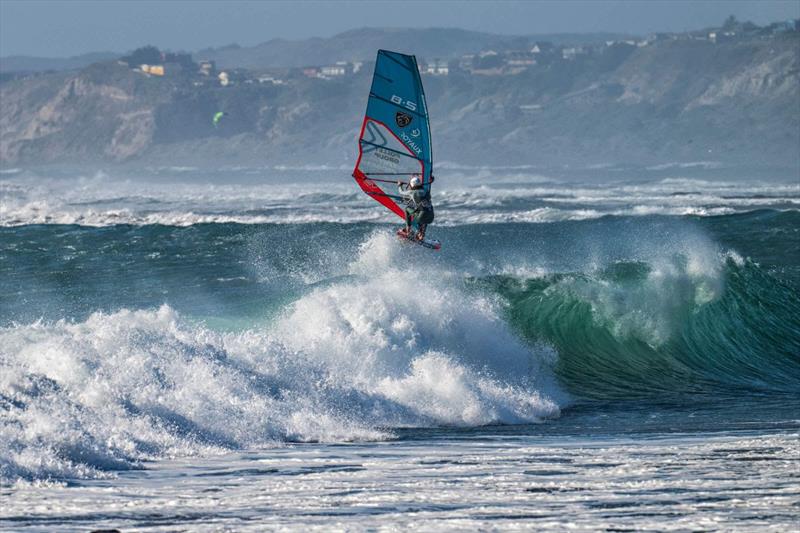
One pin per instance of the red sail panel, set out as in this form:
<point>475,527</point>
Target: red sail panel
<point>384,159</point>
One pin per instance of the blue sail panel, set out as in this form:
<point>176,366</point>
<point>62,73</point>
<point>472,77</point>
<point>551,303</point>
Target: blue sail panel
<point>395,140</point>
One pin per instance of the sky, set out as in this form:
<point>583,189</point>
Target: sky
<point>65,28</point>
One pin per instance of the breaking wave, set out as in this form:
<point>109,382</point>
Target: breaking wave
<point>532,320</point>
<point>674,330</point>
<point>348,361</point>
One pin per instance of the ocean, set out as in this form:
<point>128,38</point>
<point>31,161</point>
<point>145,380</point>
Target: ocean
<point>252,348</point>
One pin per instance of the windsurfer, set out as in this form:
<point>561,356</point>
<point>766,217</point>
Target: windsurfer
<point>419,208</point>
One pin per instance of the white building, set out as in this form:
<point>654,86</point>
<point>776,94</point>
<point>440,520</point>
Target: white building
<point>332,71</point>
<point>206,67</point>
<point>437,68</point>
<point>570,53</point>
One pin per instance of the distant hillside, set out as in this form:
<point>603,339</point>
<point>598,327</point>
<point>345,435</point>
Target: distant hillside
<point>43,64</point>
<point>361,44</point>
<point>673,99</point>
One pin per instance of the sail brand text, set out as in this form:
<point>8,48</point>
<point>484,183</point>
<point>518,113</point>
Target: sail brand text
<point>411,143</point>
<point>387,156</point>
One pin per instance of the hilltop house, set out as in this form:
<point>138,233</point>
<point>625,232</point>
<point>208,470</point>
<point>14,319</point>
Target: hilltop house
<point>518,61</point>
<point>437,67</point>
<point>207,67</point>
<point>542,47</point>
<point>572,52</point>
<point>153,70</point>
<point>332,71</point>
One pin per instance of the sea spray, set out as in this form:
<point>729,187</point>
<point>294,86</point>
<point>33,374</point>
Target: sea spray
<point>400,319</point>
<point>337,332</point>
<point>309,196</point>
<point>680,333</point>
<point>347,361</point>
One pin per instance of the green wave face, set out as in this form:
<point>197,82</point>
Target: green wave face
<point>633,330</point>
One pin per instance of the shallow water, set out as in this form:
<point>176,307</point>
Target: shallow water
<point>482,480</point>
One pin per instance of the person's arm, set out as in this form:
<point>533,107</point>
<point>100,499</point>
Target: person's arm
<point>403,189</point>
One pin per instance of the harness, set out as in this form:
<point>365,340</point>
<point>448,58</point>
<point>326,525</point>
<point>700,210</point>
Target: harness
<point>423,204</point>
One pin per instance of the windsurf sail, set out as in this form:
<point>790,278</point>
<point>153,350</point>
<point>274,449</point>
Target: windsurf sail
<point>395,140</point>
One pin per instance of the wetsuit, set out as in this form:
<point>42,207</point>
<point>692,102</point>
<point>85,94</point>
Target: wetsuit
<point>419,208</point>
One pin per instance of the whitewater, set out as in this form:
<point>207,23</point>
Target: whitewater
<point>254,349</point>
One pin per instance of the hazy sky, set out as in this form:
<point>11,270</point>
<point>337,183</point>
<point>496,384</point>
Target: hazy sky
<point>64,28</point>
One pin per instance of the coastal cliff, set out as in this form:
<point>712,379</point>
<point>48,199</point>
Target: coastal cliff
<point>734,101</point>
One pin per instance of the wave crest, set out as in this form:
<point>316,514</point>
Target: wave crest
<point>348,361</point>
<point>663,330</point>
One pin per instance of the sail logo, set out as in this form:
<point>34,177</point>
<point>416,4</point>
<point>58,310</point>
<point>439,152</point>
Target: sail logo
<point>402,119</point>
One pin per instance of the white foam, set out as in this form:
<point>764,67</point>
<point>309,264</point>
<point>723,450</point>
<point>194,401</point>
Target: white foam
<point>732,482</point>
<point>386,348</point>
<point>480,197</point>
<point>691,164</point>
<point>676,281</point>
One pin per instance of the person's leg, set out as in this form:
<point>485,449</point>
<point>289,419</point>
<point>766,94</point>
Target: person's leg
<point>424,218</point>
<point>409,217</point>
